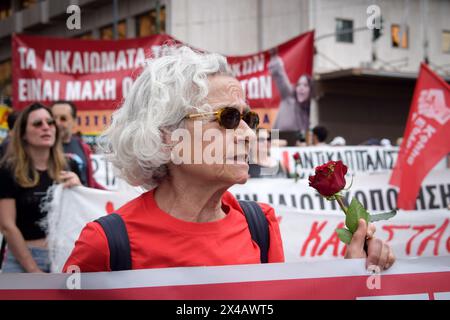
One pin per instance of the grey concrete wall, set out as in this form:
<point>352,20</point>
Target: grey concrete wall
<point>348,55</point>
<point>237,27</point>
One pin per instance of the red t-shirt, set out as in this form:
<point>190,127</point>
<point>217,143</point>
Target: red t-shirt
<point>159,240</point>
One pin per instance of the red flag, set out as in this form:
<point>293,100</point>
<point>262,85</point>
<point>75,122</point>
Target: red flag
<point>427,136</point>
<point>253,72</point>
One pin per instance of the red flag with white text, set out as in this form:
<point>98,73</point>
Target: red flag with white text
<point>260,87</point>
<point>426,138</point>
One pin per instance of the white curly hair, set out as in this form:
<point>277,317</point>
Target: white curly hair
<point>168,88</point>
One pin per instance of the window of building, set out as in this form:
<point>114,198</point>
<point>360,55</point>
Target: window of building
<point>399,36</point>
<point>107,33</point>
<point>446,41</point>
<point>5,10</point>
<point>148,24</point>
<point>344,30</point>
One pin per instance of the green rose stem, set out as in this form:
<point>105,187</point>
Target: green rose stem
<point>344,208</point>
<point>341,203</point>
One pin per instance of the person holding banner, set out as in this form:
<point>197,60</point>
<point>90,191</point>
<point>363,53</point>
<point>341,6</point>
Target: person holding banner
<point>33,162</point>
<point>184,133</point>
<point>295,105</point>
<point>65,113</point>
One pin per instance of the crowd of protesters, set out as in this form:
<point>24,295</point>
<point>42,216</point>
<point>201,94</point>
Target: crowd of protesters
<point>187,217</point>
<point>38,152</point>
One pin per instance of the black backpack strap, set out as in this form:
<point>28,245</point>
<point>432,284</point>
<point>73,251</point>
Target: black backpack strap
<point>258,226</point>
<point>118,242</point>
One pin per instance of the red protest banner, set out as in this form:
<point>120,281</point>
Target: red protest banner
<point>426,139</point>
<point>259,82</point>
<point>97,74</point>
<point>424,278</point>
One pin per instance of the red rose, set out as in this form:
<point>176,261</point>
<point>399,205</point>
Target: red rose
<point>296,156</point>
<point>329,178</point>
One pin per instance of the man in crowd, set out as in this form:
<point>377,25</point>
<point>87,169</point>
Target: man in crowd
<point>65,114</point>
<point>320,134</point>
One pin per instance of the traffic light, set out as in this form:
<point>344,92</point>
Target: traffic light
<point>378,32</point>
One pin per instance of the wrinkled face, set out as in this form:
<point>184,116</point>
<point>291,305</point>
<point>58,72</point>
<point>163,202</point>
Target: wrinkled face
<point>64,120</point>
<point>303,90</point>
<point>40,131</point>
<point>219,156</point>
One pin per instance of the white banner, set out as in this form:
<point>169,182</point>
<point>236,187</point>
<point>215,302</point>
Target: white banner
<point>306,234</point>
<point>71,209</point>
<point>311,236</point>
<point>373,191</point>
<point>418,279</point>
<point>359,159</point>
<point>104,172</point>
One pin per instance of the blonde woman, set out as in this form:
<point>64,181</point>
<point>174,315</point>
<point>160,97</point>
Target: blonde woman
<point>33,162</point>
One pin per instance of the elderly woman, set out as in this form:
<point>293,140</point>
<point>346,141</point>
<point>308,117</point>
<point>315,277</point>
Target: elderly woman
<point>187,218</point>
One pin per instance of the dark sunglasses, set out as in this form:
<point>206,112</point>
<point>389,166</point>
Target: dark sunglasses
<point>40,123</point>
<point>229,117</point>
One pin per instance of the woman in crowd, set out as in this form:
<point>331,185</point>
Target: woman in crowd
<point>295,100</point>
<point>262,164</point>
<point>33,161</point>
<point>187,218</point>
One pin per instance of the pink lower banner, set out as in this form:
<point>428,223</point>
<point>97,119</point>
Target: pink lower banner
<point>415,278</point>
